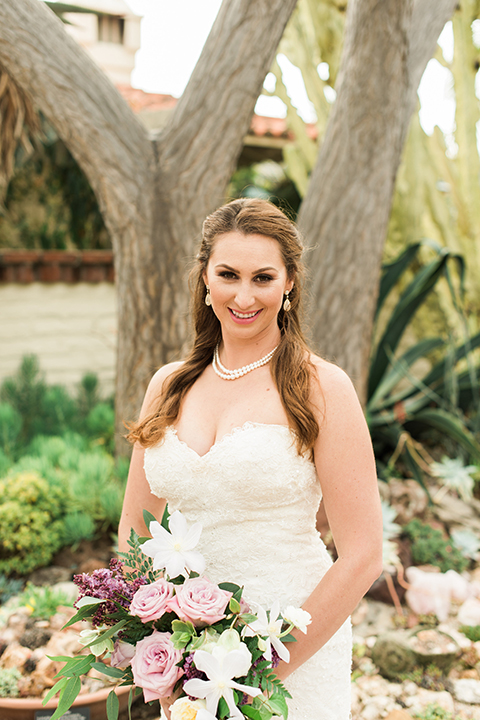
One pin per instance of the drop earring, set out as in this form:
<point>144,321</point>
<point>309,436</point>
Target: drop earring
<point>287,304</point>
<point>208,297</point>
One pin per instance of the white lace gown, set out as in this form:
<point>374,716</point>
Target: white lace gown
<point>257,500</point>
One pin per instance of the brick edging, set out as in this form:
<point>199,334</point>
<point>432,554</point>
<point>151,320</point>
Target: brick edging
<point>51,266</point>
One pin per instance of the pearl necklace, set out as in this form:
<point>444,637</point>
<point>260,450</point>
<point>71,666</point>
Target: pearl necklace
<point>227,374</point>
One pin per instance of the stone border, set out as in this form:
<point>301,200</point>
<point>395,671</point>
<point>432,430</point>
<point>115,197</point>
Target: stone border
<point>51,266</point>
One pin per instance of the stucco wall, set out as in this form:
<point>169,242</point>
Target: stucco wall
<point>72,328</point>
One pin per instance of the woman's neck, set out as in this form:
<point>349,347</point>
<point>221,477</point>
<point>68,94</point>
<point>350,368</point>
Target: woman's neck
<point>236,353</point>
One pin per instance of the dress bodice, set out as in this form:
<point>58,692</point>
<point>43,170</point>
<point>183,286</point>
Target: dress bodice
<point>257,500</point>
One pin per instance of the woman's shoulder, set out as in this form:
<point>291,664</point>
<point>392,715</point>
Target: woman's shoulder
<point>333,386</point>
<point>155,386</point>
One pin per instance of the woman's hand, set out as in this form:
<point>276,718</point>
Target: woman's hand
<point>167,702</point>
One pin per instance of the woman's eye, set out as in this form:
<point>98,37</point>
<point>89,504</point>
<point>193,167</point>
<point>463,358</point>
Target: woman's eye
<point>228,275</point>
<point>263,278</point>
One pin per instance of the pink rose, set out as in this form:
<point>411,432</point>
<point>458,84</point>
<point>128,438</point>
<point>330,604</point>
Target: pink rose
<point>200,601</point>
<point>122,654</point>
<point>154,665</point>
<point>150,601</point>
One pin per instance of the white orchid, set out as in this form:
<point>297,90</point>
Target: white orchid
<point>93,638</point>
<point>271,629</point>
<point>297,617</point>
<point>221,666</point>
<point>173,551</point>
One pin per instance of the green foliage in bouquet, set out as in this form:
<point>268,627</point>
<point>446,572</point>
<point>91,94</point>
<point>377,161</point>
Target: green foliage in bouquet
<point>430,547</point>
<point>31,528</point>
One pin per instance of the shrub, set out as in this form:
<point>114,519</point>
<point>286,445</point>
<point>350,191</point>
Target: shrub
<point>9,678</point>
<point>8,588</point>
<point>10,427</point>
<point>429,547</point>
<point>42,601</point>
<point>78,526</point>
<point>31,529</point>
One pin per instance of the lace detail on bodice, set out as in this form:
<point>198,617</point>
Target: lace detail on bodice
<point>257,500</point>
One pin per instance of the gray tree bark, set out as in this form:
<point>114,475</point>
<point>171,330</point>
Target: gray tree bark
<point>153,193</point>
<point>345,213</point>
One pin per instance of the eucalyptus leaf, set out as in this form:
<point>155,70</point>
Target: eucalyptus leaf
<point>113,705</point>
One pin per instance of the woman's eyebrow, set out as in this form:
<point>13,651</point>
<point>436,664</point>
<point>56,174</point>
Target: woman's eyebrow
<point>256,272</point>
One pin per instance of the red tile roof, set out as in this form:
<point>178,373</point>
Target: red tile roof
<point>260,126</point>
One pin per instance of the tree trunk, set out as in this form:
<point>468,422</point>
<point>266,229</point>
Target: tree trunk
<point>153,194</point>
<point>344,215</point>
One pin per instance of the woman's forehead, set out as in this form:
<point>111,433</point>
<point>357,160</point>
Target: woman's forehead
<point>235,247</point>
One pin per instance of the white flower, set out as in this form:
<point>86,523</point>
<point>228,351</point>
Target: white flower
<point>297,617</point>
<point>269,629</point>
<point>173,551</point>
<point>221,667</point>
<point>185,709</point>
<point>88,637</point>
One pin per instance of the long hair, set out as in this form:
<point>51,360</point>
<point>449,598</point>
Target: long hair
<point>291,368</point>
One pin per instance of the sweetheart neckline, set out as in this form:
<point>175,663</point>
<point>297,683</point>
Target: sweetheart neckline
<point>247,425</point>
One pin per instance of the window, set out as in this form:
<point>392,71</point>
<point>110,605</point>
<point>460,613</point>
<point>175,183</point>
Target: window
<point>111,29</point>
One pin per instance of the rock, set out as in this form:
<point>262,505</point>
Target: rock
<point>398,715</point>
<point>467,690</point>
<point>399,651</point>
<point>68,588</point>
<point>453,511</point>
<point>377,620</point>
<point>469,612</point>
<point>464,711</point>
<point>35,637</point>
<point>393,655</point>
<point>408,498</point>
<point>14,656</point>
<point>424,698</point>
<point>433,592</point>
<point>50,575</point>
<point>433,646</point>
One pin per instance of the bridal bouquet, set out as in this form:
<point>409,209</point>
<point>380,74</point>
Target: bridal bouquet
<point>167,631</point>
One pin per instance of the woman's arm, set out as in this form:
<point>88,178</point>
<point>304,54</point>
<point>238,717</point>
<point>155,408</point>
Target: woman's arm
<point>346,469</point>
<point>138,496</point>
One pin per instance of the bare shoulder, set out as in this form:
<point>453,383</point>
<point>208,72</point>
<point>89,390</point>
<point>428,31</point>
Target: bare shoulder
<point>154,389</point>
<point>334,388</point>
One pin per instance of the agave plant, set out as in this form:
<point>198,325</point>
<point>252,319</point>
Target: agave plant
<point>397,413</point>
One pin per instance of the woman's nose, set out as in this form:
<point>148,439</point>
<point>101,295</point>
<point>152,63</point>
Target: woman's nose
<point>244,297</point>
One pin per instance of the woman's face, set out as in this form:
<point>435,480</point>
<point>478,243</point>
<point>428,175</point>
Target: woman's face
<point>247,279</point>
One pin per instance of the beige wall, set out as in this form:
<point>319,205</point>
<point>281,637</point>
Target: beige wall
<point>71,328</point>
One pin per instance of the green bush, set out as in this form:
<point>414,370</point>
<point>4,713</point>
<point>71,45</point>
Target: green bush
<point>8,588</point>
<point>429,547</point>
<point>31,525</point>
<point>42,601</point>
<point>472,632</point>
<point>78,526</point>
<point>10,427</point>
<point>9,678</point>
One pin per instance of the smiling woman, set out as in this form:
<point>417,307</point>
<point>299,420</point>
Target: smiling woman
<point>251,458</point>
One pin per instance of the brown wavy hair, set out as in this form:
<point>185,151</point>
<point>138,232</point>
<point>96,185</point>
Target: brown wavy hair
<point>291,368</point>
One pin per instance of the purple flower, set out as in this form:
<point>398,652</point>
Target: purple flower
<point>110,584</point>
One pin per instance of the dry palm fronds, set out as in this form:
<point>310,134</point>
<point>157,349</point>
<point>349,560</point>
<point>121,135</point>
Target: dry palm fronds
<point>18,123</point>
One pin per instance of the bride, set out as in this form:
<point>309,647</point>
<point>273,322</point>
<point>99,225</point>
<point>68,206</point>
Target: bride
<point>248,434</point>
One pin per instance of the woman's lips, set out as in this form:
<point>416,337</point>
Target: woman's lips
<point>244,318</point>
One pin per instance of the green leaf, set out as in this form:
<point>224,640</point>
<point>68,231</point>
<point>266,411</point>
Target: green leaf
<point>251,712</point>
<point>148,518</point>
<point>234,606</point>
<point>113,705</point>
<point>393,271</point>
<point>108,633</point>
<point>84,612</point>
<point>223,710</point>
<point>165,519</point>
<point>248,618</point>
<point>56,688</point>
<point>180,639</point>
<point>180,626</point>
<point>278,704</point>
<point>409,302</point>
<point>229,587</point>
<point>108,670</point>
<point>77,666</point>
<point>67,695</point>
<point>451,426</point>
